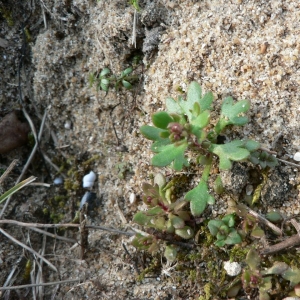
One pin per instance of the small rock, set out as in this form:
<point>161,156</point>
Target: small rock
<point>297,156</point>
<point>88,180</point>
<point>232,268</point>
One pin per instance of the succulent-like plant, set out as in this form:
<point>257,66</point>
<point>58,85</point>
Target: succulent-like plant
<point>186,126</point>
<point>163,214</point>
<point>224,231</point>
<point>104,80</point>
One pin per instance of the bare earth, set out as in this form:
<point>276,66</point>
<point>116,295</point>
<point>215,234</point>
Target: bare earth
<point>246,49</point>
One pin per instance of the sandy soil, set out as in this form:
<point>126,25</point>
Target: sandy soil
<point>246,49</point>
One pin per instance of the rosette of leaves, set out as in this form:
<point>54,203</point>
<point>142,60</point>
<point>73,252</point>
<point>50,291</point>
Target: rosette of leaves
<point>186,126</point>
<point>263,159</point>
<point>104,80</point>
<point>162,214</point>
<point>224,231</point>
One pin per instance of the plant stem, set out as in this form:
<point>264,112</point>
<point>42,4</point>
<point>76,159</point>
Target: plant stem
<point>206,171</point>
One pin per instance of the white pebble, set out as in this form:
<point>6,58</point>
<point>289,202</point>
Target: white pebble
<point>88,180</point>
<point>132,198</point>
<point>68,124</point>
<point>58,180</point>
<point>232,268</point>
<point>297,156</point>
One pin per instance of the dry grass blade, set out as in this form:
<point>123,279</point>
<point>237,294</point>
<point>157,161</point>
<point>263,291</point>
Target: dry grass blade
<point>16,188</point>
<point>7,171</point>
<point>29,249</point>
<point>25,286</point>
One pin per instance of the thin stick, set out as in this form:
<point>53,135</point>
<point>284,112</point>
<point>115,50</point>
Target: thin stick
<point>55,236</point>
<point>37,225</point>
<point>288,243</point>
<point>263,220</point>
<point>29,249</point>
<point>288,163</point>
<point>8,170</point>
<point>25,286</point>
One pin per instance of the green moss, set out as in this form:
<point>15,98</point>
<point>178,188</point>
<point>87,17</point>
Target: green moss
<point>7,15</point>
<point>153,267</point>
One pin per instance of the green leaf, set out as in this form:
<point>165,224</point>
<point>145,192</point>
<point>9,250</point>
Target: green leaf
<point>171,153</point>
<point>161,119</point>
<point>293,275</point>
<point>233,111</point>
<point>220,243</point>
<point>274,216</point>
<point>126,72</point>
<point>141,219</point>
<point>170,253</point>
<point>177,222</point>
<point>194,94</point>
<point>206,101</point>
<point>127,85</point>
<point>233,238</point>
<point>278,268</point>
<point>231,151</point>
<point>218,185</point>
<point>199,198</point>
<point>186,232</point>
<point>213,226</point>
<point>155,211</point>
<point>257,232</point>
<point>251,145</point>
<point>104,72</point>
<point>151,133</point>
<point>158,223</point>
<point>173,106</point>
<point>201,120</point>
<point>253,259</point>
<point>229,220</point>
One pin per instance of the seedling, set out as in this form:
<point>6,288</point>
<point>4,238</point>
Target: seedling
<point>163,214</point>
<point>105,79</point>
<point>224,231</point>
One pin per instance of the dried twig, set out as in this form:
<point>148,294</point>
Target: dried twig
<point>29,249</point>
<point>287,243</point>
<point>8,170</point>
<point>25,286</point>
<point>55,236</point>
<point>37,225</point>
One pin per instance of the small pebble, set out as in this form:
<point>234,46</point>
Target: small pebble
<point>132,198</point>
<point>88,180</point>
<point>232,268</point>
<point>68,124</point>
<point>58,180</point>
<point>297,156</point>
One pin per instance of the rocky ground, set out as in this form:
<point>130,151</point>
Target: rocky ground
<point>50,50</point>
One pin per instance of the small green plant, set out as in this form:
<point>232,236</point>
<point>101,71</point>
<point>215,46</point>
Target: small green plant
<point>224,231</point>
<point>104,80</point>
<point>185,127</point>
<point>254,277</point>
<point>135,4</point>
<point>162,214</point>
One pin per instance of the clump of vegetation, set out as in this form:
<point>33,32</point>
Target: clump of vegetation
<point>224,231</point>
<point>104,80</point>
<point>185,127</point>
<point>184,135</point>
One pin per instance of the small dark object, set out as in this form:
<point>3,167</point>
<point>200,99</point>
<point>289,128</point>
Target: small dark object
<point>13,133</point>
<point>90,199</point>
